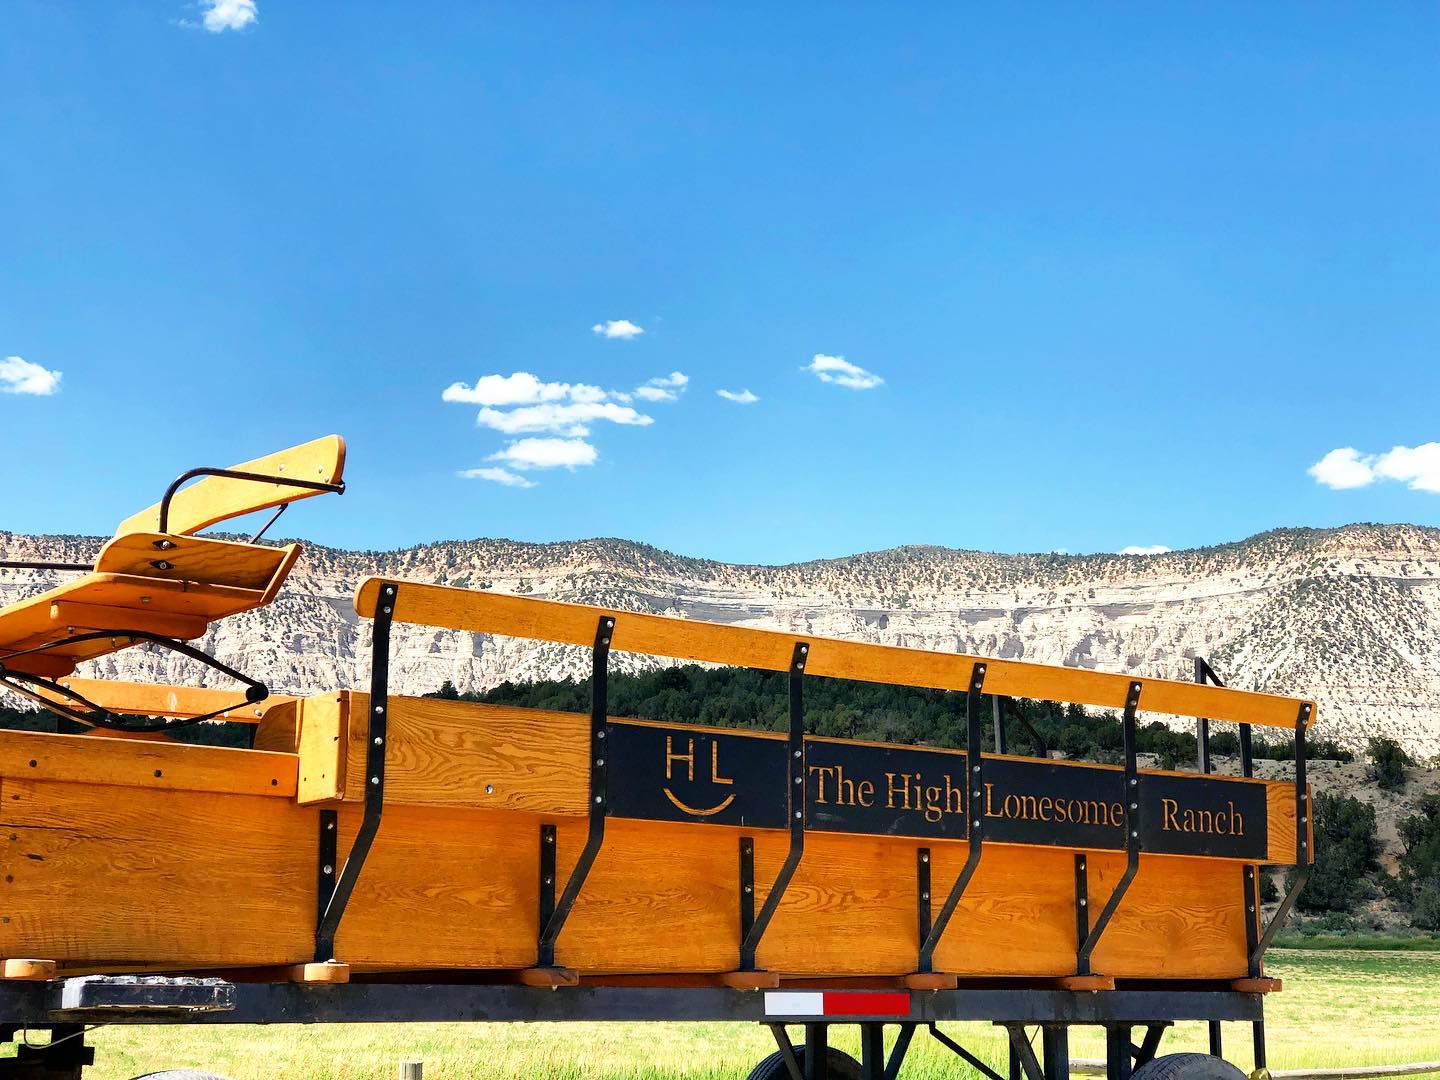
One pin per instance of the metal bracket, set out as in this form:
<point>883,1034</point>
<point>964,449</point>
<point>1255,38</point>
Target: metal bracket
<point>795,808</point>
<point>1131,781</point>
<point>923,920</point>
<point>22,683</point>
<point>747,885</point>
<point>1303,857</point>
<point>374,806</point>
<point>328,856</point>
<point>547,874</point>
<point>599,791</point>
<point>1082,902</point>
<point>974,764</point>
<point>1204,673</point>
<point>1250,894</point>
<point>238,474</point>
<point>960,1052</point>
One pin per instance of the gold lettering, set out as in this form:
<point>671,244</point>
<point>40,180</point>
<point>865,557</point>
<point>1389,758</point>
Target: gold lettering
<point>821,773</point>
<point>671,757</point>
<point>715,766</point>
<point>865,793</point>
<point>1167,815</point>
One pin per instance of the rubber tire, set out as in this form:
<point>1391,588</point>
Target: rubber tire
<point>179,1074</point>
<point>842,1066</point>
<point>1188,1067</point>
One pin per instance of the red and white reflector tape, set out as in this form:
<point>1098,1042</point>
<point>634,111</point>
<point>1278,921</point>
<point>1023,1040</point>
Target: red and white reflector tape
<point>821,1003</point>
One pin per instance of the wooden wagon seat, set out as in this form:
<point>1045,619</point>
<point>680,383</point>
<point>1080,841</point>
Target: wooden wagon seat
<point>172,584</point>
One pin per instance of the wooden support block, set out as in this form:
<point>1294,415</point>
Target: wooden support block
<point>30,970</point>
<point>930,980</point>
<point>549,976</point>
<point>750,980</point>
<point>331,971</point>
<point>1086,982</point>
<point>1262,985</point>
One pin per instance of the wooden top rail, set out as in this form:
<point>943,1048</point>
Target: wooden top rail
<point>770,650</point>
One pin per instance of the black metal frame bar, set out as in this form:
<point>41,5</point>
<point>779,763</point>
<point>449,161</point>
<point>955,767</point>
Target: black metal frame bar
<point>1304,858</point>
<point>1133,843</point>
<point>43,564</point>
<point>960,1052</point>
<point>551,927</point>
<point>22,682</point>
<point>976,768</point>
<point>1204,673</point>
<point>795,812</point>
<point>239,474</point>
<point>334,904</point>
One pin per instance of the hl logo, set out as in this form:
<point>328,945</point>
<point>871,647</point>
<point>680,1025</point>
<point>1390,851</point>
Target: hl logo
<point>687,759</point>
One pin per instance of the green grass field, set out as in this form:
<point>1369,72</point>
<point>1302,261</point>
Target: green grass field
<point>1338,1008</point>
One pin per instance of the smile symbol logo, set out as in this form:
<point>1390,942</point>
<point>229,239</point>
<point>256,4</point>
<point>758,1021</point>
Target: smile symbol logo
<point>687,756</point>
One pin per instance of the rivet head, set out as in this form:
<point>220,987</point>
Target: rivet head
<point>379,741</point>
<point>599,798</point>
<point>329,869</point>
<point>1134,833</point>
<point>387,610</point>
<point>749,888</point>
<point>924,858</point>
<point>375,780</point>
<point>599,761</point>
<point>925,896</point>
<point>797,813</point>
<point>976,824</point>
<point>489,789</point>
<point>379,708</point>
<point>1134,806</point>
<point>1084,902</point>
<point>797,753</point>
<point>600,734</point>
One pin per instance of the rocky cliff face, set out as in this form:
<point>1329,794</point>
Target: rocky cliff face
<point>1350,616</point>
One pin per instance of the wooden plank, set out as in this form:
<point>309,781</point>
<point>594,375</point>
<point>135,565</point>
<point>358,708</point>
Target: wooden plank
<point>66,615</point>
<point>215,498</point>
<point>134,763</point>
<point>193,558</point>
<point>152,699</point>
<point>319,726</point>
<point>1280,809</point>
<point>456,753</point>
<point>151,877</point>
<point>687,639</point>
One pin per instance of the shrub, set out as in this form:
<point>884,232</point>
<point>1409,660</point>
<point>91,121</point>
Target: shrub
<point>1388,762</point>
<point>1347,854</point>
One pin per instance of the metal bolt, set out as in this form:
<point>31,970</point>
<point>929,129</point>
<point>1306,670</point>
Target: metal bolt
<point>379,708</point>
<point>977,793</point>
<point>604,641</point>
<point>924,858</point>
<point>799,779</point>
<point>1084,902</point>
<point>379,741</point>
<point>924,896</point>
<point>549,838</point>
<point>797,753</point>
<point>1134,833</point>
<point>1134,806</point>
<point>1133,782</point>
<point>975,769</point>
<point>329,869</point>
<point>599,761</point>
<point>387,611</point>
<point>375,780</point>
<point>1251,908</point>
<point>804,648</point>
<point>1303,820</point>
<point>600,734</point>
<point>977,824</point>
<point>330,826</point>
<point>549,880</point>
<point>599,798</point>
<point>797,813</point>
<point>489,789</point>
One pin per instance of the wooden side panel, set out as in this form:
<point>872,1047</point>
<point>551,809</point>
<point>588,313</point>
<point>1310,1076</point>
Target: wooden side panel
<point>94,873</point>
<point>216,498</point>
<point>149,877</point>
<point>689,639</point>
<point>455,753</point>
<point>1280,808</point>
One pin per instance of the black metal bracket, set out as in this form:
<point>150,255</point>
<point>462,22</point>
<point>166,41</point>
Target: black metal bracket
<point>547,874</point>
<point>747,885</point>
<point>599,792</point>
<point>1082,900</point>
<point>795,810</point>
<point>1204,673</point>
<point>1304,859</point>
<point>1250,896</point>
<point>238,474</point>
<point>25,684</point>
<point>374,805</point>
<point>42,564</point>
<point>1131,780</point>
<point>1021,1048</point>
<point>960,1052</point>
<point>923,916</point>
<point>974,763</point>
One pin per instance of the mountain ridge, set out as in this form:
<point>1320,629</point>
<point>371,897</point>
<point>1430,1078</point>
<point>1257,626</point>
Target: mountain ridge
<point>1348,615</point>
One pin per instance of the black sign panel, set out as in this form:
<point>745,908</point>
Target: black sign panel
<point>684,774</point>
<point>723,778</point>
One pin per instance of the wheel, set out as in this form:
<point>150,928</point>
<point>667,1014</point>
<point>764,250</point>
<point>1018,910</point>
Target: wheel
<point>1187,1067</point>
<point>842,1066</point>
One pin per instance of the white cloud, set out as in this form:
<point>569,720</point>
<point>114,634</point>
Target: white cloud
<point>1418,467</point>
<point>19,376</point>
<point>622,329</point>
<point>526,454</point>
<point>520,388</point>
<point>221,15</point>
<point>838,370</point>
<point>498,476</point>
<point>565,419</point>
<point>1153,549</point>
<point>1343,468</point>
<point>740,397</point>
<point>664,387</point>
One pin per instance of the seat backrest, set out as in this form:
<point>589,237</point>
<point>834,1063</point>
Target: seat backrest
<point>212,499</point>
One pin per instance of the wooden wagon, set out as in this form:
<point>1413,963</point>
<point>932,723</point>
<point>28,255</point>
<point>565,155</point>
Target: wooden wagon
<point>370,841</point>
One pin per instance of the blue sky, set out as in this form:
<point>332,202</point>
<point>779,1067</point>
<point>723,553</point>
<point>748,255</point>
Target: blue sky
<point>1124,272</point>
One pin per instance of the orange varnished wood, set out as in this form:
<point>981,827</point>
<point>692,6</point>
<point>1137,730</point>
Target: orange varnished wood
<point>687,639</point>
<point>153,699</point>
<point>193,558</point>
<point>213,499</point>
<point>135,763</point>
